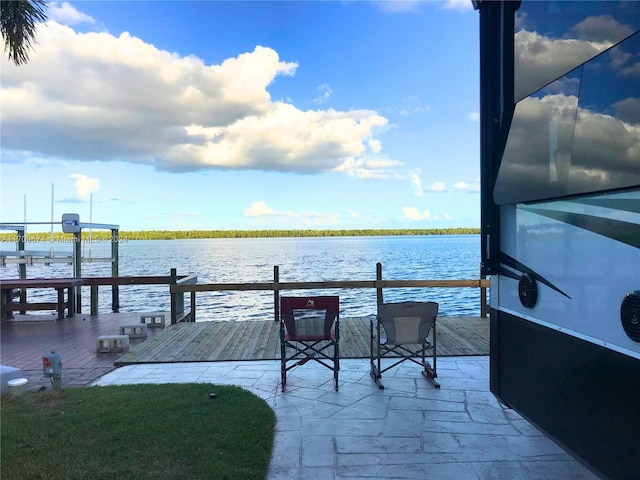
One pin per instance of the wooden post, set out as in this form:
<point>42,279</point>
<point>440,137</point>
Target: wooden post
<point>193,306</point>
<point>174,297</point>
<point>94,299</point>
<point>379,278</point>
<point>276,293</point>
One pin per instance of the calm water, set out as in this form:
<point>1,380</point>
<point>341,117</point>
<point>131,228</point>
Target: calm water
<point>299,259</point>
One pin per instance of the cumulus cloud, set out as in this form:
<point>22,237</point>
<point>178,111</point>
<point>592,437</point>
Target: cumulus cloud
<point>66,14</point>
<point>412,213</point>
<point>471,186</point>
<point>95,96</point>
<point>260,210</point>
<point>417,187</point>
<point>85,185</point>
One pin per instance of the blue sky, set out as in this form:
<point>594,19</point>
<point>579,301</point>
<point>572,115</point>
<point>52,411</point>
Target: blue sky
<point>246,115</point>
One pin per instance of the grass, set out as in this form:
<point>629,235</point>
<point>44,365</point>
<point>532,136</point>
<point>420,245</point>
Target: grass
<point>172,431</point>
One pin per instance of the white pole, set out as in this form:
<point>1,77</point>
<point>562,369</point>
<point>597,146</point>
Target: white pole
<point>51,237</point>
<point>90,221</point>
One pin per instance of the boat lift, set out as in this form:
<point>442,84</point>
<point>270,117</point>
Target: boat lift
<point>70,223</point>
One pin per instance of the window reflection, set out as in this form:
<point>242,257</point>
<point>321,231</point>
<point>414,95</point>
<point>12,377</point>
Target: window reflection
<point>553,38</point>
<point>579,134</point>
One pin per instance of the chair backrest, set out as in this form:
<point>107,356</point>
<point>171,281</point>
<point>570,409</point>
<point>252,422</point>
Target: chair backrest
<point>407,322</point>
<point>309,318</point>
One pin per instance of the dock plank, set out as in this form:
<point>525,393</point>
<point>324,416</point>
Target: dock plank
<point>259,340</point>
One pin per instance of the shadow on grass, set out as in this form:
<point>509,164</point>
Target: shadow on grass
<point>170,431</point>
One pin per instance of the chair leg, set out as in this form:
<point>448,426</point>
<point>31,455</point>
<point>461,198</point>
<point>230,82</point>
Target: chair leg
<point>283,360</point>
<point>336,364</point>
<point>375,374</point>
<point>375,370</point>
<point>429,372</point>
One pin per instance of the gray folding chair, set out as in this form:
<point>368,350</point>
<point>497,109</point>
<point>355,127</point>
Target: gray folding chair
<point>404,331</point>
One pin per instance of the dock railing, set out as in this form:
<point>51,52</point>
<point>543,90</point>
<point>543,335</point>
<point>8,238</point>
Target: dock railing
<point>179,285</point>
<point>277,286</point>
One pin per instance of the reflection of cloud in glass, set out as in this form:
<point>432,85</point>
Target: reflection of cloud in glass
<point>546,157</point>
<point>577,129</point>
<point>603,29</point>
<point>628,110</point>
<point>540,60</point>
<point>541,57</point>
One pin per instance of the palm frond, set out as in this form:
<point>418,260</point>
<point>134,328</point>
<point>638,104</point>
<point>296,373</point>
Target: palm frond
<point>18,22</point>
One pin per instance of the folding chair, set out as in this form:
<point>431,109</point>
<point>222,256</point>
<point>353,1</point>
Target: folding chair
<point>396,328</point>
<point>309,326</point>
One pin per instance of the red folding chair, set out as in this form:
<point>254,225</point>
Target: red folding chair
<point>309,327</point>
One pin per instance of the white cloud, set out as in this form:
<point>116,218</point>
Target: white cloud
<point>462,5</point>
<point>375,145</point>
<point>368,168</point>
<point>416,181</point>
<point>436,187</point>
<point>412,105</point>
<point>412,213</point>
<point>472,186</point>
<point>325,93</point>
<point>474,116</point>
<point>85,185</point>
<point>95,96</point>
<point>258,209</point>
<point>66,14</point>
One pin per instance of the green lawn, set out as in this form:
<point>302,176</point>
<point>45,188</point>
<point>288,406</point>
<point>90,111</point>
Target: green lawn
<point>173,431</point>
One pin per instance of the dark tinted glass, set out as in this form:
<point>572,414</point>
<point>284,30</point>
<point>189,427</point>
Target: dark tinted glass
<point>553,38</point>
<point>581,132</point>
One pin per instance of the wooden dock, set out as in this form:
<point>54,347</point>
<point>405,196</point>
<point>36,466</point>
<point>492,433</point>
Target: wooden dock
<point>24,342</point>
<point>259,340</point>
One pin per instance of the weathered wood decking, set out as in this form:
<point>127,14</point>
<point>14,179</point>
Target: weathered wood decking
<point>259,340</point>
<point>24,341</point>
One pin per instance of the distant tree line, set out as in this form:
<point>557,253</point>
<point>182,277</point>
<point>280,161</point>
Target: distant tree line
<point>102,235</point>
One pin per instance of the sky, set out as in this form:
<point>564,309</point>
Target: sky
<point>161,115</point>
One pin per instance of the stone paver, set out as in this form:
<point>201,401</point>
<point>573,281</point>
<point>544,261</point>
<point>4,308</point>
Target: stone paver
<point>409,430</point>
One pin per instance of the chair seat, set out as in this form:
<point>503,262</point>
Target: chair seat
<point>309,338</point>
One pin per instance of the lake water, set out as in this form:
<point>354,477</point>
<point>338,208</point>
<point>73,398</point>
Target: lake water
<point>434,257</point>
